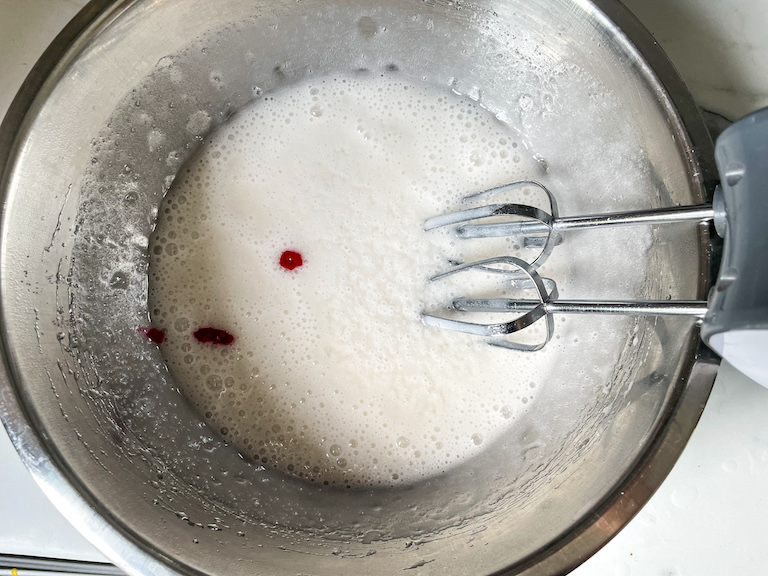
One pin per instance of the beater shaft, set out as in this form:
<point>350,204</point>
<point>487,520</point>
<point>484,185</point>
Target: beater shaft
<point>695,308</point>
<point>700,213</point>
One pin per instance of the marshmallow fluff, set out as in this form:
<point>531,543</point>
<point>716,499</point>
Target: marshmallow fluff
<point>332,377</point>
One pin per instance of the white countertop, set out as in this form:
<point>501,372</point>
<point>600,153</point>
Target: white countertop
<point>710,516</point>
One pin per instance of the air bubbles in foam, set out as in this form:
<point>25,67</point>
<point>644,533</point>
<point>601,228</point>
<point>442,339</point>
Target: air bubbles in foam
<point>308,387</point>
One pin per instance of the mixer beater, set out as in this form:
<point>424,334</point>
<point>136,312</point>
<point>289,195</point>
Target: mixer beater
<point>538,228</point>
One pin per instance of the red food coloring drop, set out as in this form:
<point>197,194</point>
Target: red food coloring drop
<point>152,334</point>
<point>291,260</point>
<point>214,336</point>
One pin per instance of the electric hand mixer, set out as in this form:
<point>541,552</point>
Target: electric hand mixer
<point>734,320</point>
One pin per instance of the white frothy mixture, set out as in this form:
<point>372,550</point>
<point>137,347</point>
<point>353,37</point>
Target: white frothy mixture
<point>332,376</point>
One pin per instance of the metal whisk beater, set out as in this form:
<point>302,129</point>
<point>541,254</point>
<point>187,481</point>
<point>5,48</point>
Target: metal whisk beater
<point>542,229</point>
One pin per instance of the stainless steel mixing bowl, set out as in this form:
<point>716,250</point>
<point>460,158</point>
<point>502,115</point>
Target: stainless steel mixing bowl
<point>102,425</point>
